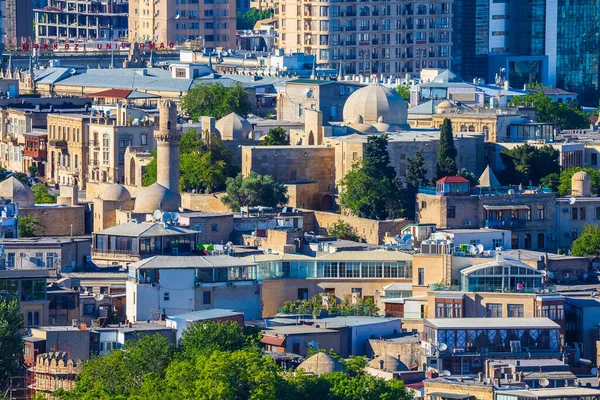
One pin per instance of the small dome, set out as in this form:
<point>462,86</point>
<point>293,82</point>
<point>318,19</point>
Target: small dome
<point>447,76</point>
<point>156,197</point>
<point>17,191</point>
<point>116,192</point>
<point>445,105</point>
<point>581,176</point>
<point>363,128</point>
<point>381,126</point>
<point>321,363</point>
<point>390,364</point>
<point>374,101</point>
<point>233,127</point>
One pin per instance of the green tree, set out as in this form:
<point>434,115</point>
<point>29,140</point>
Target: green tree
<point>41,194</point>
<point>33,170</point>
<point>248,19</point>
<point>276,137</point>
<point>343,230</point>
<point>29,225</point>
<point>471,177</point>
<point>446,165</point>
<point>11,345</point>
<point>565,115</point>
<point>371,189</point>
<point>203,167</point>
<point>527,164</point>
<point>588,244</point>
<point>563,187</point>
<point>204,338</point>
<point>215,100</point>
<point>254,190</point>
<point>415,177</point>
<point>120,374</point>
<point>404,91</point>
<point>551,181</point>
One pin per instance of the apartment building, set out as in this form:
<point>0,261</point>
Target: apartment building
<point>85,20</point>
<point>67,149</point>
<point>18,21</point>
<point>368,37</point>
<point>209,22</point>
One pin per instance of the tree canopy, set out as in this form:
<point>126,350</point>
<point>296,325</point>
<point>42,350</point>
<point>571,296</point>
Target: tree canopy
<point>372,189</point>
<point>214,366</point>
<point>248,19</point>
<point>29,225</point>
<point>588,244</point>
<point>254,190</point>
<point>11,344</point>
<point>276,137</point>
<point>561,183</point>
<point>565,115</point>
<point>446,165</point>
<point>202,167</point>
<point>404,91</point>
<point>212,99</point>
<point>415,177</point>
<point>41,194</point>
<point>528,164</point>
<point>343,230</point>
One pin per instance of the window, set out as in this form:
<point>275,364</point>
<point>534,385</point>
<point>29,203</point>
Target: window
<point>448,309</point>
<point>89,309</point>
<point>497,243</point>
<point>574,213</point>
<point>421,278</point>
<point>541,241</point>
<point>206,297</point>
<point>302,294</point>
<point>515,311</point>
<point>36,318</point>
<point>214,228</point>
<point>527,244</point>
<point>166,296</point>
<point>144,139</point>
<point>541,211</point>
<point>494,310</point>
<point>582,213</point>
<point>451,212</point>
<point>597,212</point>
<point>10,263</point>
<point>29,318</point>
<point>594,160</point>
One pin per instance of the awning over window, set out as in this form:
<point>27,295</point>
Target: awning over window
<point>501,208</point>
<point>453,396</point>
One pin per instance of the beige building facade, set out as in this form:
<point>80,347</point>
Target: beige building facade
<point>368,37</point>
<point>68,149</point>
<point>174,21</point>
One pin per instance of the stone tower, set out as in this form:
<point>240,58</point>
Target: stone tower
<point>167,147</point>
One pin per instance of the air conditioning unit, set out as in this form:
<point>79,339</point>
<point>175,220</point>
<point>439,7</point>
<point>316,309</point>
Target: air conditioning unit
<point>467,222</point>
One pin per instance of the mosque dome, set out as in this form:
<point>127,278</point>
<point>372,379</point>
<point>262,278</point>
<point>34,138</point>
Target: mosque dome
<point>387,363</point>
<point>581,176</point>
<point>17,191</point>
<point>156,197</point>
<point>381,126</point>
<point>374,101</point>
<point>359,125</point>
<point>116,192</point>
<point>321,363</point>
<point>233,127</point>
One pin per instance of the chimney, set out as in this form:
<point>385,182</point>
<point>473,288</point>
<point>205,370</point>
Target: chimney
<point>381,364</point>
<point>480,377</point>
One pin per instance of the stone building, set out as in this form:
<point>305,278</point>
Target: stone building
<point>307,171</point>
<point>115,197</point>
<point>54,371</point>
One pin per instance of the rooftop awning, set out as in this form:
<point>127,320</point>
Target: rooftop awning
<point>273,341</point>
<point>450,395</point>
<point>499,208</point>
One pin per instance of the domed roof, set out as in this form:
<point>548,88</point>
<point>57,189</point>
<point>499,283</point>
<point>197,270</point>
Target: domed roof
<point>17,191</point>
<point>581,176</point>
<point>445,105</point>
<point>156,197</point>
<point>381,126</point>
<point>374,101</point>
<point>359,125</point>
<point>321,363</point>
<point>233,127</point>
<point>116,192</point>
<point>390,364</point>
<point>447,77</point>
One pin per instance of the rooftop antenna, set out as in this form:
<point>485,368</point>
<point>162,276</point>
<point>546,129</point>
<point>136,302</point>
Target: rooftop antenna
<point>210,60</point>
<point>10,66</point>
<point>313,75</point>
<point>151,62</point>
<point>112,59</point>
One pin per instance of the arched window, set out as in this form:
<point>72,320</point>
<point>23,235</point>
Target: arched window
<point>29,319</point>
<point>471,128</point>
<point>36,318</point>
<point>463,128</point>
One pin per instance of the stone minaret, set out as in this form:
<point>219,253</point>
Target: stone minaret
<point>167,143</point>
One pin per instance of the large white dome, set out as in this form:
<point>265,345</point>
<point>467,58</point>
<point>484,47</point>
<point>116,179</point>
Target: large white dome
<point>156,197</point>
<point>375,102</point>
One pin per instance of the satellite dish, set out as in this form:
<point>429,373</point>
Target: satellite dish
<point>544,273</point>
<point>472,249</point>
<point>175,217</point>
<point>107,112</point>
<point>135,122</point>
<point>82,326</point>
<point>594,371</point>
<point>572,200</point>
<point>309,93</point>
<point>177,16</point>
<point>98,297</point>
<point>550,275</point>
<point>442,347</point>
<point>445,373</point>
<point>166,217</point>
<point>94,112</point>
<point>157,215</point>
<point>480,249</point>
<point>145,118</point>
<point>544,382</point>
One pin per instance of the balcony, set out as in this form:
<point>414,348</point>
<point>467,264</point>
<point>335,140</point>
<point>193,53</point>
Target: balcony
<point>505,223</point>
<point>35,153</point>
<point>59,143</point>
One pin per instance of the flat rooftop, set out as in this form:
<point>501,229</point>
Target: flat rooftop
<point>296,330</point>
<point>562,392</point>
<point>205,314</point>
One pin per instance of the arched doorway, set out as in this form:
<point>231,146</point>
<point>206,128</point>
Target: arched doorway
<point>131,172</point>
<point>326,203</point>
<point>471,128</point>
<point>311,139</point>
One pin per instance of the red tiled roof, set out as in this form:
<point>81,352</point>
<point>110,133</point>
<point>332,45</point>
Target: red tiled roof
<point>112,94</point>
<point>453,179</point>
<point>273,341</point>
